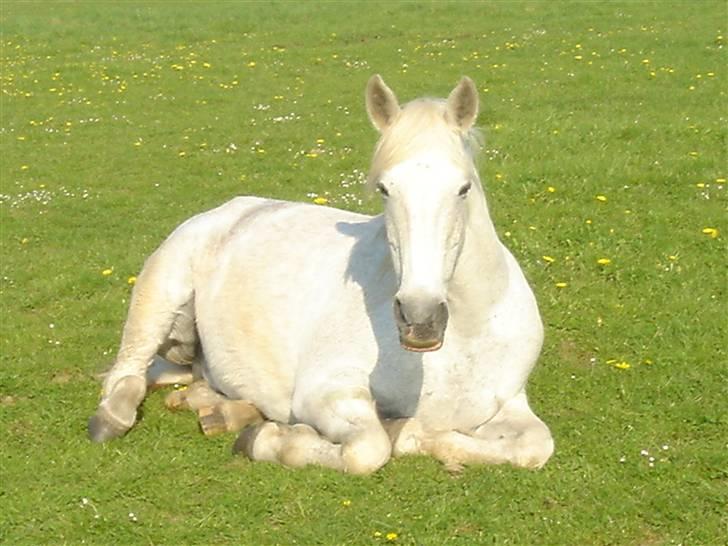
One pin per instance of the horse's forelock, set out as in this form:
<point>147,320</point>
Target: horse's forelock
<point>422,126</point>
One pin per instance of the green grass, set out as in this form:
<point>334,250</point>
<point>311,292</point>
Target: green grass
<point>119,121</point>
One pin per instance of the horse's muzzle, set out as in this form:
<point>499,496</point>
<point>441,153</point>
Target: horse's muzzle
<point>421,327</point>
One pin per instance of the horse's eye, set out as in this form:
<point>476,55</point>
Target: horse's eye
<point>383,190</point>
<point>465,189</point>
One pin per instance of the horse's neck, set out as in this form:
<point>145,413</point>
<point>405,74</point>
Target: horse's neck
<point>481,275</point>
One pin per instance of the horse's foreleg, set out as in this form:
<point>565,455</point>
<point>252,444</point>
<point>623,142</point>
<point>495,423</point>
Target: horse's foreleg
<point>160,305</point>
<point>350,436</point>
<point>515,435</point>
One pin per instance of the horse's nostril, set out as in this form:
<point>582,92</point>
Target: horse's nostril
<point>399,312</point>
<point>443,312</point>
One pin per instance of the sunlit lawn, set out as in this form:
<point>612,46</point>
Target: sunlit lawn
<point>605,166</point>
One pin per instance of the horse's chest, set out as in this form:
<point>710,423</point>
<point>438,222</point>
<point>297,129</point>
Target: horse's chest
<point>457,397</point>
<point>444,390</point>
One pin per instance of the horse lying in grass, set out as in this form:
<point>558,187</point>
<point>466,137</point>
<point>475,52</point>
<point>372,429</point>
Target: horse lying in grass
<point>348,339</point>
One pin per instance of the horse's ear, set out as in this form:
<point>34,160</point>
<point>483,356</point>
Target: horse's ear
<point>382,104</point>
<point>462,104</point>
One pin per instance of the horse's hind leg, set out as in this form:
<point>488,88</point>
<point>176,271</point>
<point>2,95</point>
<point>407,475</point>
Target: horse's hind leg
<point>160,310</point>
<point>215,412</point>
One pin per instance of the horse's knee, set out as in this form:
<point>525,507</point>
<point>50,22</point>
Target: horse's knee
<point>524,443</point>
<point>349,418</point>
<point>117,411</point>
<point>535,447</point>
<point>367,452</point>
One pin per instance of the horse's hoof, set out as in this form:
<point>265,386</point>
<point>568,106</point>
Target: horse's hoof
<point>102,427</point>
<point>176,400</point>
<point>260,442</point>
<point>212,421</point>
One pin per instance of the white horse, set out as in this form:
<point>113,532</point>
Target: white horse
<point>356,337</point>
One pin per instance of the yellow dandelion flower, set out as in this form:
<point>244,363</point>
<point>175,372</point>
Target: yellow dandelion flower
<point>601,198</point>
<point>551,189</point>
<point>182,154</point>
<point>548,259</point>
<point>131,281</point>
<point>251,64</point>
<point>391,537</point>
<point>604,261</point>
<point>24,167</point>
<point>346,502</point>
<point>720,180</point>
<point>713,232</point>
<point>319,200</point>
<point>623,365</point>
<point>561,285</point>
<point>107,272</point>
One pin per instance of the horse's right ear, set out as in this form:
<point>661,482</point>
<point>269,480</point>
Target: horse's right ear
<point>382,104</point>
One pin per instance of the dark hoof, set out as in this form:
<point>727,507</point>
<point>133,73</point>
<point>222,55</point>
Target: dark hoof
<point>244,443</point>
<point>261,442</point>
<point>101,428</point>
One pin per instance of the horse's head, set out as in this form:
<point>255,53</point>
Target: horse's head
<point>424,170</point>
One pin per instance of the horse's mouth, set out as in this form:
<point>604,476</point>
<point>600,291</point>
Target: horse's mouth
<point>420,338</point>
<point>420,345</point>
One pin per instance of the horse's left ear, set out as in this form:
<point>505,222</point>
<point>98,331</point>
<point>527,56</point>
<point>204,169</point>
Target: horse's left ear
<point>462,104</point>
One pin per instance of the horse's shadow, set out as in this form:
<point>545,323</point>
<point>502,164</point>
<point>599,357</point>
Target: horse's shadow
<point>397,378</point>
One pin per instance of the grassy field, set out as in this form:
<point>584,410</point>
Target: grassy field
<point>605,166</point>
